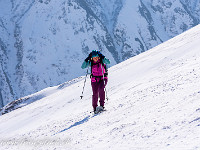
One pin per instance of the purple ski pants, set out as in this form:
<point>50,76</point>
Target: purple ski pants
<point>98,89</point>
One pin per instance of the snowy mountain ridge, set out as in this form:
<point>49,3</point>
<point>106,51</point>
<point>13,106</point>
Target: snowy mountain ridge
<point>43,42</point>
<point>153,104</point>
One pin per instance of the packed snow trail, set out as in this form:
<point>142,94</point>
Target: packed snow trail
<point>153,104</point>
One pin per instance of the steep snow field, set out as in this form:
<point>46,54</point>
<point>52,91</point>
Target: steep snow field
<point>153,104</point>
<point>43,42</point>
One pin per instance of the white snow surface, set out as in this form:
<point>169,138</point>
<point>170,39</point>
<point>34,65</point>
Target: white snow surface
<point>44,42</point>
<point>153,105</point>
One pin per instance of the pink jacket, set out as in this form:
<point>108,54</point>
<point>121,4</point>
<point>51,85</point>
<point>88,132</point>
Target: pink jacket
<point>97,71</point>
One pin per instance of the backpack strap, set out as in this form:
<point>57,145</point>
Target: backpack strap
<point>91,75</point>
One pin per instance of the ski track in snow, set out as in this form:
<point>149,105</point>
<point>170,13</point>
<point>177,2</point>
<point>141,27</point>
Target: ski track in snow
<point>153,104</point>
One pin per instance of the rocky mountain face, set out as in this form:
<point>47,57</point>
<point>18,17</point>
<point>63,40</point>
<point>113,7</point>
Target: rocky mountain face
<point>44,42</point>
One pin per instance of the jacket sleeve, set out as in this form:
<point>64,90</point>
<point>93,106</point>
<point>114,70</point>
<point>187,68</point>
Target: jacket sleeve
<point>85,64</point>
<point>106,61</point>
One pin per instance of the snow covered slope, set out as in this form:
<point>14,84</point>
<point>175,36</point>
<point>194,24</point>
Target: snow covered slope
<point>43,42</point>
<point>153,104</point>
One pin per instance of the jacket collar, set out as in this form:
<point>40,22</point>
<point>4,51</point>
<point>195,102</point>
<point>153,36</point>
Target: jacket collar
<point>96,62</point>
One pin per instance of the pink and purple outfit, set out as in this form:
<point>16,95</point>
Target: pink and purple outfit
<point>98,83</point>
<point>99,77</point>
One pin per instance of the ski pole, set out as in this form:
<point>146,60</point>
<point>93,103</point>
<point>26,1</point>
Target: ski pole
<point>104,83</point>
<point>84,84</point>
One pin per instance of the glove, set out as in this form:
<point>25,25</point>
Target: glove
<point>88,58</point>
<point>101,55</point>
